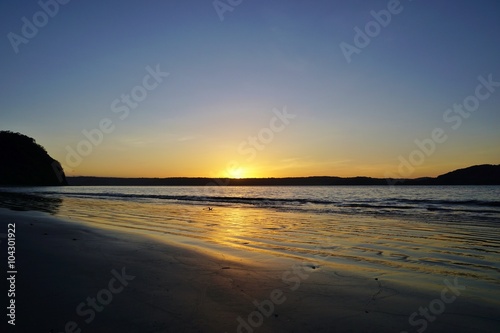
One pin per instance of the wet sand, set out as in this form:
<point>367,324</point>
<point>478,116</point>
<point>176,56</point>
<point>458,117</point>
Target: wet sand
<point>74,277</point>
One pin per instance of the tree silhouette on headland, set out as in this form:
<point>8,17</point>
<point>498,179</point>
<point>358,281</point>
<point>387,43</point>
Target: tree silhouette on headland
<point>26,163</point>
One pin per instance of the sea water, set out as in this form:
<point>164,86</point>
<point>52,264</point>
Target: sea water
<point>420,233</point>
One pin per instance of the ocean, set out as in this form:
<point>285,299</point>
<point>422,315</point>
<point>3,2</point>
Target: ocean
<point>460,204</point>
<point>424,233</point>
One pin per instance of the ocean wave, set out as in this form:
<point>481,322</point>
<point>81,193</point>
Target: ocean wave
<point>426,204</point>
<point>321,205</point>
<point>479,203</point>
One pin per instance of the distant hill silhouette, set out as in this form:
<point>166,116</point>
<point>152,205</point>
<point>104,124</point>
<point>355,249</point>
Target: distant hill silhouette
<point>26,163</point>
<point>475,175</point>
<point>485,174</point>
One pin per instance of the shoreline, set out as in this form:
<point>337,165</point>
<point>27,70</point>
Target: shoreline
<point>63,265</point>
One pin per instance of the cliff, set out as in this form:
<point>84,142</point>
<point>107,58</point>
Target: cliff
<point>26,163</point>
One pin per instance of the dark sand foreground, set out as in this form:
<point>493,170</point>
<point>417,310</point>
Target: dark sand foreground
<point>72,277</point>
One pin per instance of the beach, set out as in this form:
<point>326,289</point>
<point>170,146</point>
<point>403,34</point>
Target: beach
<point>250,166</point>
<point>90,265</point>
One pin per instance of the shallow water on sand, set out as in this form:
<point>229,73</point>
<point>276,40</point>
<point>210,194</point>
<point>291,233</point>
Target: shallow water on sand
<point>425,203</point>
<point>423,254</point>
<point>416,238</point>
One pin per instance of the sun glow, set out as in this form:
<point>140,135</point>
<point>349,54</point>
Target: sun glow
<point>237,173</point>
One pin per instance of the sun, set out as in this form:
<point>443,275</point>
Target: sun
<point>237,173</point>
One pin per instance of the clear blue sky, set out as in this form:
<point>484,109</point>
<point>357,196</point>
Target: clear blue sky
<point>226,78</point>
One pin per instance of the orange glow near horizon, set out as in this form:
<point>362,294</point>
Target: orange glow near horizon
<point>133,171</point>
<point>282,158</point>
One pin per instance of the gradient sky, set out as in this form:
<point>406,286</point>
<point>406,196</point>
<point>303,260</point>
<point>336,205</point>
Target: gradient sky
<point>226,78</point>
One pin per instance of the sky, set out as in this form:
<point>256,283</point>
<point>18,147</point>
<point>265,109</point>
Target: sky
<point>240,88</point>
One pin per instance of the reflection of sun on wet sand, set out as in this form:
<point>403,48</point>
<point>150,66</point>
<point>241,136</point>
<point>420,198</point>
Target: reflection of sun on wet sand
<point>180,289</point>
